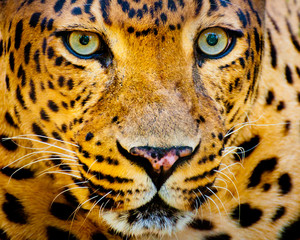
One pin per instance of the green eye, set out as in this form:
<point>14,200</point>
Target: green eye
<point>213,41</point>
<point>84,43</point>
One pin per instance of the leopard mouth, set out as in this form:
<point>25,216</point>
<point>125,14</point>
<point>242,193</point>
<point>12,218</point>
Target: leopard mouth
<point>155,217</point>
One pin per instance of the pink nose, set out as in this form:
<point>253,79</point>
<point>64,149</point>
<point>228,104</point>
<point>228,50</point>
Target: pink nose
<point>161,159</point>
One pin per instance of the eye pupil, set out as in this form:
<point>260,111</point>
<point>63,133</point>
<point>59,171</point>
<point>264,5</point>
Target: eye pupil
<point>84,40</point>
<point>212,39</point>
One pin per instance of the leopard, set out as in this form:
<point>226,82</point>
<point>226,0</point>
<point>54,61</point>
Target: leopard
<point>149,119</point>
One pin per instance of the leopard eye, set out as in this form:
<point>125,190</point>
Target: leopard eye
<point>84,43</point>
<point>213,41</point>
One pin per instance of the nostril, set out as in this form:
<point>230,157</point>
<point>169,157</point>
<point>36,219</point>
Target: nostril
<point>161,159</point>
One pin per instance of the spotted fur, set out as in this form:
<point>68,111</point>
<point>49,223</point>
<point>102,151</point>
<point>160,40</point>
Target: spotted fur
<point>75,131</point>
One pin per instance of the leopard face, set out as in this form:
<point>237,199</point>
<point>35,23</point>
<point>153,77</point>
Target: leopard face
<point>135,98</point>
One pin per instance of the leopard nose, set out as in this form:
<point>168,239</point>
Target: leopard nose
<point>162,161</point>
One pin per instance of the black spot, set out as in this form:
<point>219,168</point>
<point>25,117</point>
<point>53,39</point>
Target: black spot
<point>257,40</point>
<point>273,53</point>
<point>50,85</point>
<point>281,106</point>
<point>293,37</point>
<point>7,83</point>
<point>3,235</point>
<point>17,173</point>
<point>172,27</point>
<point>50,24</point>
<point>222,236</point>
<point>199,4</point>
<point>270,97</point>
<point>14,210</point>
<point>38,131</point>
<point>266,187</point>
<point>21,74</point>
<point>131,13</point>
<point>70,84</point>
<point>242,17</point>
<point>20,97</point>
<point>291,231</point>
<point>115,119</point>
<point>279,213</point>
<point>172,5</point>
<point>36,58</point>
<point>8,144</point>
<point>32,93</point>
<point>163,17</point>
<point>98,236</point>
<point>285,183</point>
<point>18,34</point>
<point>130,29</point>
<point>43,24</point>
<point>59,5</point>
<point>56,136</point>
<point>99,158</point>
<point>242,62</point>
<point>263,166</point>
<point>288,74</point>
<point>62,211</point>
<point>10,120</point>
<point>53,106</point>
<point>44,45</point>
<point>89,136</point>
<point>27,53</point>
<point>44,115</point>
<point>61,81</point>
<point>50,52</point>
<point>200,224</point>
<point>76,11</point>
<point>58,61</point>
<point>1,47</point>
<point>248,146</point>
<point>12,61</point>
<point>105,4</point>
<point>64,128</point>
<point>246,215</point>
<point>54,233</point>
<point>287,126</point>
<point>213,6</point>
<point>34,19</point>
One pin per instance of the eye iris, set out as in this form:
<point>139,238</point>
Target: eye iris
<point>212,39</point>
<point>84,40</point>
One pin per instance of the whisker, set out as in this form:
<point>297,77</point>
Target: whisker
<point>45,143</point>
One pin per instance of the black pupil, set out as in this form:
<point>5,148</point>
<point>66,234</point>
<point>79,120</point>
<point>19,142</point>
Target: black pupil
<point>212,39</point>
<point>84,40</point>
